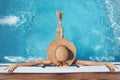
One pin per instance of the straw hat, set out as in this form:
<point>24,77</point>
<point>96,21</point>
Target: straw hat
<point>61,50</point>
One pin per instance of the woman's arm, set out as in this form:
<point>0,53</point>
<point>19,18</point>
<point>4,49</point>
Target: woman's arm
<point>12,67</point>
<point>110,66</point>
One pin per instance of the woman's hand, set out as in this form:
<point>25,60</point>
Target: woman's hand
<point>11,68</point>
<point>110,66</point>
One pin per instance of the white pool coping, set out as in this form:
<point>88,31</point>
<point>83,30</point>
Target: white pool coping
<point>54,69</point>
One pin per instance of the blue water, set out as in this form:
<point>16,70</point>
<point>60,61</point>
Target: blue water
<point>27,27</point>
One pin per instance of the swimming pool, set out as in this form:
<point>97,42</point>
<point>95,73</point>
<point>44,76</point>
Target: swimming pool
<point>28,26</point>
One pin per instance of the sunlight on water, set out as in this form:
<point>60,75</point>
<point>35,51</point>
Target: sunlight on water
<point>9,20</point>
<point>21,59</point>
<point>113,13</point>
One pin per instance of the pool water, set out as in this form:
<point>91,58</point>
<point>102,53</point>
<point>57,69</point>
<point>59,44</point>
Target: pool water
<point>27,27</point>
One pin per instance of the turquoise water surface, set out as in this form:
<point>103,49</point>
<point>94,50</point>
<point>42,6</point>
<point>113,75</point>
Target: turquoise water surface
<point>27,27</point>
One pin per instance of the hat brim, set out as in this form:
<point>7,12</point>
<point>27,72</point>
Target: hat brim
<point>61,42</point>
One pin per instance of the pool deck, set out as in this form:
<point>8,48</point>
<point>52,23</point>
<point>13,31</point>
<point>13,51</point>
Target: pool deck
<point>59,73</point>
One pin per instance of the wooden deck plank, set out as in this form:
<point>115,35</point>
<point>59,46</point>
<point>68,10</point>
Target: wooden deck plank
<point>60,76</point>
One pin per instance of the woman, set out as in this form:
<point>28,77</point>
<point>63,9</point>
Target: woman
<point>61,52</point>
